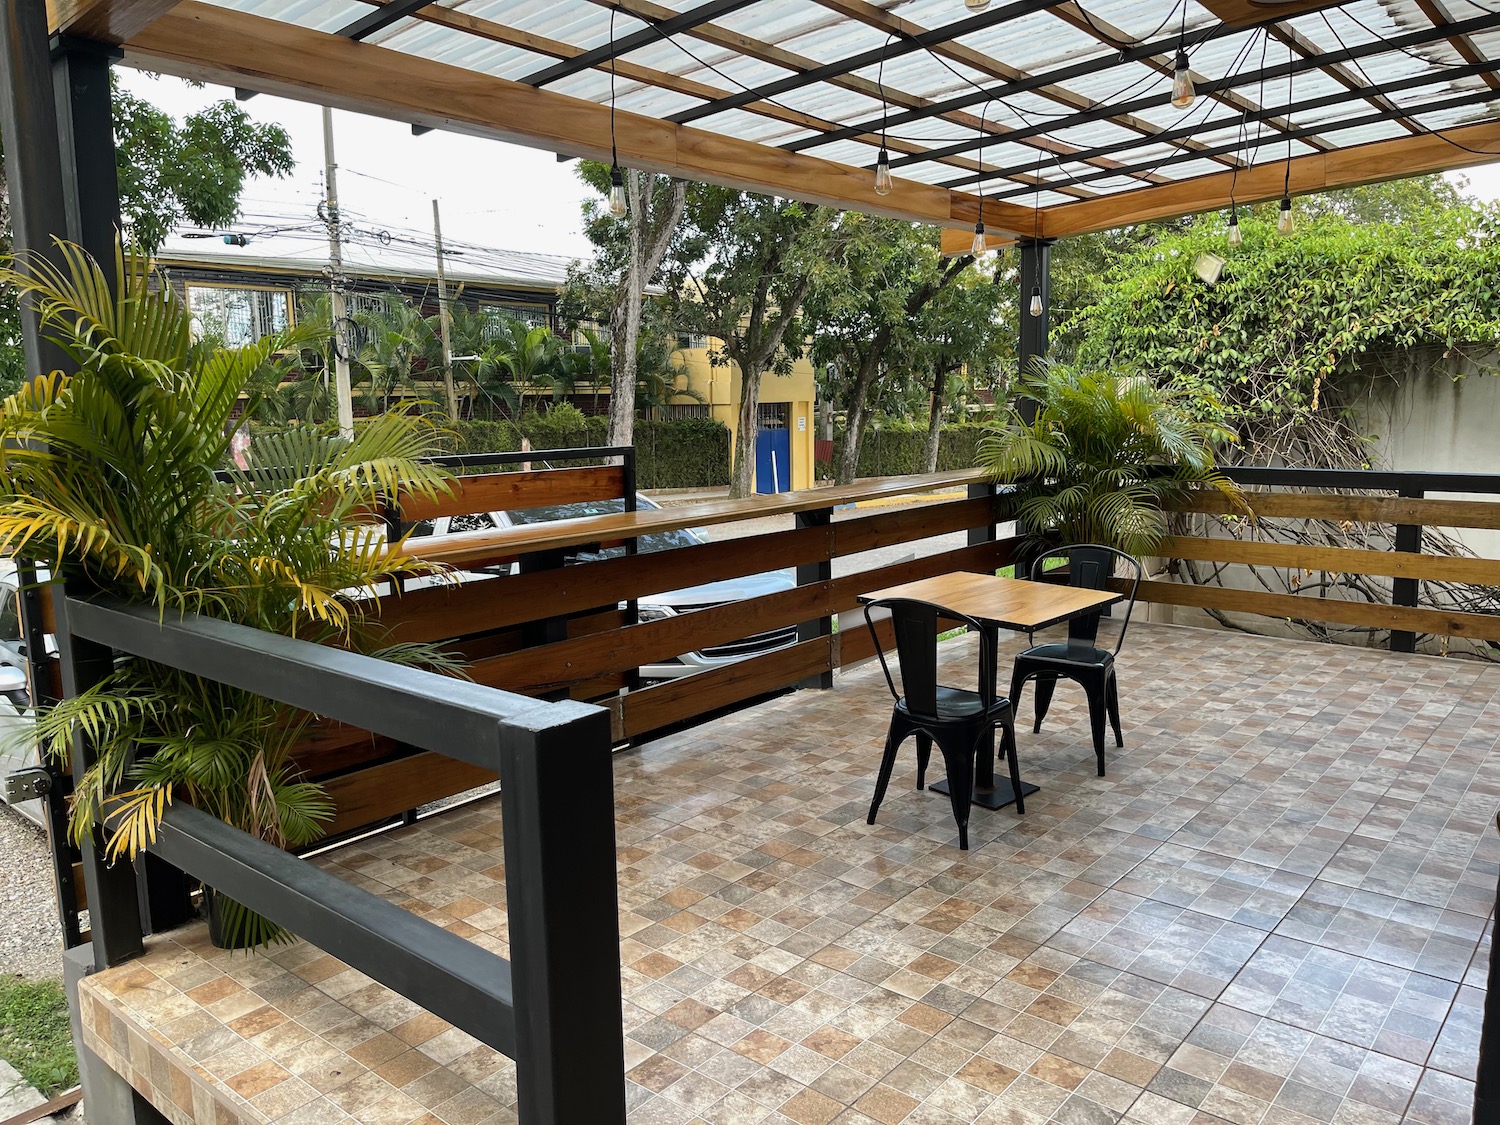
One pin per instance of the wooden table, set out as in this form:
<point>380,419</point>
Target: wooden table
<point>999,603</point>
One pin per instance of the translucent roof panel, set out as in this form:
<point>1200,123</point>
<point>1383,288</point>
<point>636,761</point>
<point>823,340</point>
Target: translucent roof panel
<point>1075,94</point>
<point>319,15</point>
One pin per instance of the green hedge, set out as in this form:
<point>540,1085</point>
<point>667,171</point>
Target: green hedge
<point>677,453</point>
<point>899,448</point>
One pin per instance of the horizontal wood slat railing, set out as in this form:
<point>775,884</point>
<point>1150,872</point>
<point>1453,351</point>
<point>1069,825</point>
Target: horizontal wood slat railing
<point>503,492</point>
<point>1342,560</point>
<point>1407,566</point>
<point>497,623</point>
<point>1338,507</point>
<point>1296,607</point>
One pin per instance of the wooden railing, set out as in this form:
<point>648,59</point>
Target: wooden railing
<point>1399,520</point>
<point>567,630</point>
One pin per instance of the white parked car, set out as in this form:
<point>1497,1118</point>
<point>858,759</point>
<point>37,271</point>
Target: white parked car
<point>657,606</point>
<point>17,750</point>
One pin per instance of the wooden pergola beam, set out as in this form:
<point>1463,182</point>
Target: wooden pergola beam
<point>1320,171</point>
<point>213,44</point>
<point>105,21</point>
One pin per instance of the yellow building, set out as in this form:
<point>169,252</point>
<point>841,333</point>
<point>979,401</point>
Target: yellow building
<point>786,411</point>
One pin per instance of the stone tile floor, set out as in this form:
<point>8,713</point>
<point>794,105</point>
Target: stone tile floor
<point>1275,910</point>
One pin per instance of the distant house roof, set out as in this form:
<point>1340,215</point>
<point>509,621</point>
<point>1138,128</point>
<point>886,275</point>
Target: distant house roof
<point>479,266</point>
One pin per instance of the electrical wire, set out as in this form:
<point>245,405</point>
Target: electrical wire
<point>1423,130</point>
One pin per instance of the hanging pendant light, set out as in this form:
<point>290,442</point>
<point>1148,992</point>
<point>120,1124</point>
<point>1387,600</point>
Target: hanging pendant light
<point>1036,300</point>
<point>1235,237</point>
<point>1182,82</point>
<point>1285,222</point>
<point>978,246</point>
<point>883,183</point>
<point>976,5</point>
<point>616,178</point>
<point>616,192</point>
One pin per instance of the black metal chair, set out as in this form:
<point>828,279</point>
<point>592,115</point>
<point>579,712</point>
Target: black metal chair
<point>957,719</point>
<point>1080,659</point>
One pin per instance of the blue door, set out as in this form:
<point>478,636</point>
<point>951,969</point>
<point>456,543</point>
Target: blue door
<point>773,461</point>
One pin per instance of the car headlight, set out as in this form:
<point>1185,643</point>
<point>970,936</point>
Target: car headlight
<point>654,612</point>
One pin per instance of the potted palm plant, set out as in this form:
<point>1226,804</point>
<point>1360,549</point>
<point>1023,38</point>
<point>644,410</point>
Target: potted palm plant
<point>1104,458</point>
<point>116,476</point>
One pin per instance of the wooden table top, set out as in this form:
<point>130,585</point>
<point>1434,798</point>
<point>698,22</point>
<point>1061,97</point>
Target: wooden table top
<point>1010,603</point>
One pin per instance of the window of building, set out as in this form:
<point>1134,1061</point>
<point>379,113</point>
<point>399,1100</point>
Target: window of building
<point>533,316</point>
<point>239,315</point>
<point>692,341</point>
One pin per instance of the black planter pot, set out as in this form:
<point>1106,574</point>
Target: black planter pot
<point>218,927</point>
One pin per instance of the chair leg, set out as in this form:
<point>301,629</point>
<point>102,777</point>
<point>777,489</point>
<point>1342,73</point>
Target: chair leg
<point>1017,685</point>
<point>959,761</point>
<point>924,755</point>
<point>1097,708</point>
<point>887,763</point>
<point>1112,697</point>
<point>1008,748</point>
<point>1045,685</point>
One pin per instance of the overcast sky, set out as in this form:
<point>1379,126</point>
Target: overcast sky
<point>491,194</point>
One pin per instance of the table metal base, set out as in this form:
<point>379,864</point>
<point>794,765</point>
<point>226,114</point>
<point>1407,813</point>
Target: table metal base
<point>997,798</point>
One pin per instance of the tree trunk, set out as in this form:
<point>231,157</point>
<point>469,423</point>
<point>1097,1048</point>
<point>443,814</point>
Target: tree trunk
<point>742,474</point>
<point>857,416</point>
<point>935,418</point>
<point>650,236</point>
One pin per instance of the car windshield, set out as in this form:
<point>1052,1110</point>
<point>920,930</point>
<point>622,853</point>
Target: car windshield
<point>655,541</point>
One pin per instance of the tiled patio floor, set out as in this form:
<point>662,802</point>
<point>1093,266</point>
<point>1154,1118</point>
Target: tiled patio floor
<point>1273,911</point>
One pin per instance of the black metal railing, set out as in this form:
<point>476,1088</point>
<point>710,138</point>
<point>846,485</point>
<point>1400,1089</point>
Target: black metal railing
<point>555,1006</point>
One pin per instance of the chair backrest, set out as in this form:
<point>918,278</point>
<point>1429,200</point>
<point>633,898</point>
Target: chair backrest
<point>916,624</point>
<point>1090,567</point>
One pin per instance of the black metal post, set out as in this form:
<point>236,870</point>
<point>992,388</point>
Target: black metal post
<point>1487,1077</point>
<point>809,574</point>
<point>1404,591</point>
<point>114,903</point>
<point>1036,281</point>
<point>55,803</point>
<point>632,546</point>
<point>985,532</point>
<point>557,804</point>
<point>86,142</point>
<point>33,166</point>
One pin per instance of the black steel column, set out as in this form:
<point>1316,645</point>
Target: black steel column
<point>809,574</point>
<point>33,165</point>
<point>1036,280</point>
<point>1404,591</point>
<point>558,809</point>
<point>114,904</point>
<point>86,141</point>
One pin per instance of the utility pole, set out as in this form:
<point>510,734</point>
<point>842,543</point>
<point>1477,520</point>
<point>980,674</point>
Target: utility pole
<point>443,330</point>
<point>342,393</point>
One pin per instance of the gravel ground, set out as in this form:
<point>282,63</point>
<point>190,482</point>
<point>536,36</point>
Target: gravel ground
<point>30,939</point>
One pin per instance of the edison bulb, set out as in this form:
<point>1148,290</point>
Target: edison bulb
<point>1235,237</point>
<point>1285,222</point>
<point>1182,82</point>
<point>978,247</point>
<point>1036,301</point>
<point>883,183</point>
<point>616,192</point>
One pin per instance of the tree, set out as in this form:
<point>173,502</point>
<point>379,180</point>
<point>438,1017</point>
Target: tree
<point>167,174</point>
<point>766,253</point>
<point>194,172</point>
<point>631,253</point>
<point>864,315</point>
<point>1292,318</point>
<point>960,331</point>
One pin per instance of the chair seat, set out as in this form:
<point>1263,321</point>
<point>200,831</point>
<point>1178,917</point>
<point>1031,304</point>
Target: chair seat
<point>956,704</point>
<point>1062,653</point>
